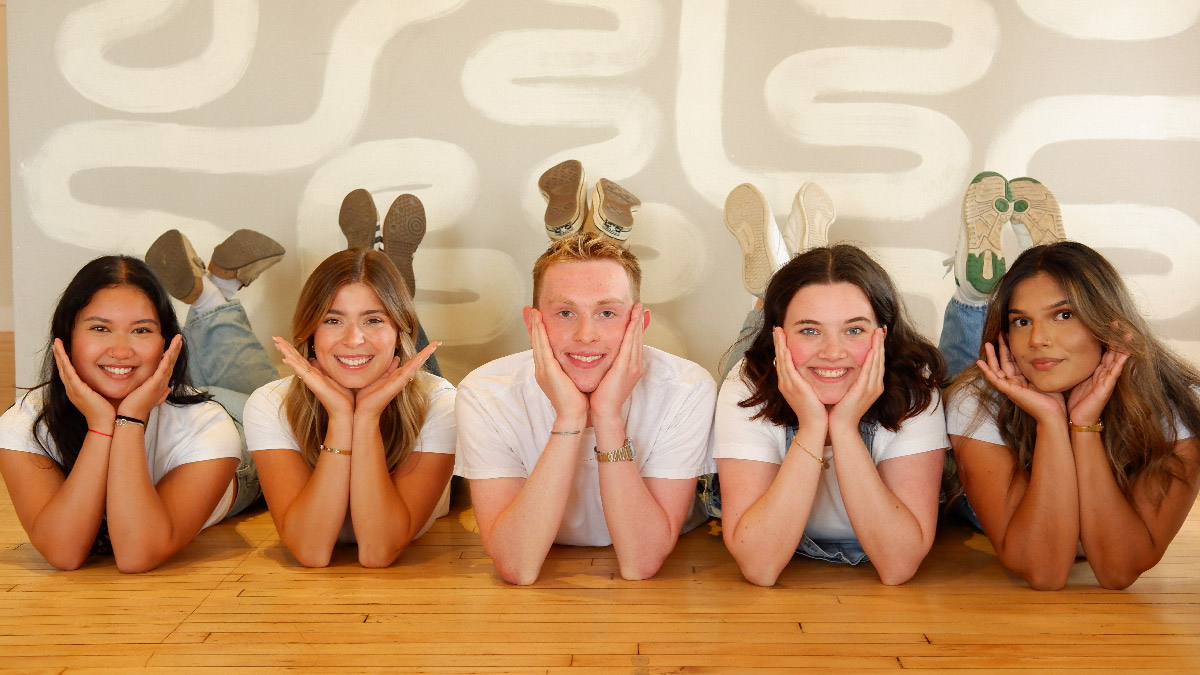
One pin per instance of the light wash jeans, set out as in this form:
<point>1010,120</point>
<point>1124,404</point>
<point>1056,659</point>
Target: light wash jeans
<point>961,339</point>
<point>226,360</point>
<point>962,333</point>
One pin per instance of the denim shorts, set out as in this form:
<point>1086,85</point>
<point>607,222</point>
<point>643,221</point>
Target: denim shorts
<point>962,333</point>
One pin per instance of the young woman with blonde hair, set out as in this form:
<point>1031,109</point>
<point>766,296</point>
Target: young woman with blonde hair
<point>358,445</point>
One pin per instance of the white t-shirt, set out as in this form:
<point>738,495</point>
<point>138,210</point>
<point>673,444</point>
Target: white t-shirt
<point>175,435</point>
<point>266,426</point>
<point>960,413</point>
<point>739,437</point>
<point>504,422</point>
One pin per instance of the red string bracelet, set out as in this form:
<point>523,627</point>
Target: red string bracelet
<point>100,432</point>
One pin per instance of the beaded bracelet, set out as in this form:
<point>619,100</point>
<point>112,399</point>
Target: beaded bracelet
<point>336,451</point>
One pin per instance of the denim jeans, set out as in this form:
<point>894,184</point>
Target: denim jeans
<point>961,339</point>
<point>962,333</point>
<point>431,365</point>
<point>226,360</point>
<point>750,329</point>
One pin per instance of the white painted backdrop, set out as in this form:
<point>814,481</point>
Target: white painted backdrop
<point>129,117</point>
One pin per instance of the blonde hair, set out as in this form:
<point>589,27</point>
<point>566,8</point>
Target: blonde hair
<point>401,421</point>
<point>586,247</point>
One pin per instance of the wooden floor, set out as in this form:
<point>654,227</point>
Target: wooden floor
<point>236,600</point>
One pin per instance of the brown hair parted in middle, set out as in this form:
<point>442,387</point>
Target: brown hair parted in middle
<point>400,424</point>
<point>1156,385</point>
<point>586,247</point>
<point>914,368</point>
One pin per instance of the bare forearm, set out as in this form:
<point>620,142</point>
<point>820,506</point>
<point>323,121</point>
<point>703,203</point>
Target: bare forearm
<point>522,534</point>
<point>889,532</point>
<point>765,537</point>
<point>642,533</point>
<point>310,524</point>
<point>1043,533</point>
<point>382,520</point>
<point>138,523</point>
<point>66,527</point>
<point>1116,539</point>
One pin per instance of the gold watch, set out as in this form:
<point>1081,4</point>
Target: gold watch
<point>621,454</point>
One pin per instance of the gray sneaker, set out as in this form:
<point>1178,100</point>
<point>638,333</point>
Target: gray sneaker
<point>563,187</point>
<point>612,209</point>
<point>177,266</point>
<point>244,255</point>
<point>403,230</point>
<point>359,219</point>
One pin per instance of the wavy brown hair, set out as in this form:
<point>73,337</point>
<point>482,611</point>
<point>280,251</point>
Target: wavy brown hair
<point>1154,383</point>
<point>914,368</point>
<point>401,421</point>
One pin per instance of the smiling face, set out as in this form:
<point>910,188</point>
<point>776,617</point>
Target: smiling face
<point>1052,347</point>
<point>116,342</point>
<point>828,329</point>
<point>355,342</point>
<point>585,307</point>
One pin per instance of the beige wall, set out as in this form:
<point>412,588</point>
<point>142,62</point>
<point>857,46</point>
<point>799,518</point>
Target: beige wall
<point>6,257</point>
<point>209,117</point>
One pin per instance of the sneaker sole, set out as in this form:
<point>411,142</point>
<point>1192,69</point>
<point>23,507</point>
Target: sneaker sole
<point>614,209</point>
<point>815,214</point>
<point>565,192</point>
<point>358,219</point>
<point>403,230</point>
<point>177,266</point>
<point>244,255</point>
<point>987,206</point>
<point>747,215</point>
<point>1036,208</point>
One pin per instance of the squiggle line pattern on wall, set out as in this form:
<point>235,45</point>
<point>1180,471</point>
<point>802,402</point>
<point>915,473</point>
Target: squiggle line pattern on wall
<point>88,33</point>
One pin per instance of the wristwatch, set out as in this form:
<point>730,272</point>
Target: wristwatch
<point>621,454</point>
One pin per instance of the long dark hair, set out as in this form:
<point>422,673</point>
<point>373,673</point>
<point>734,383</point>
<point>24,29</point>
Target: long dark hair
<point>914,367</point>
<point>1155,383</point>
<point>60,423</point>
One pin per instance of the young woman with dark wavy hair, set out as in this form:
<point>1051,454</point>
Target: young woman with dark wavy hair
<point>830,434</point>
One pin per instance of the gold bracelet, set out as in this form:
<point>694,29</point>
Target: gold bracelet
<point>1097,427</point>
<point>336,451</point>
<point>564,433</point>
<point>824,462</point>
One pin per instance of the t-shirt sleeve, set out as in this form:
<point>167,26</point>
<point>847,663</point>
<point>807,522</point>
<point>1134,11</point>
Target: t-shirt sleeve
<point>682,448</point>
<point>923,432</point>
<point>961,409</point>
<point>203,431</point>
<point>264,420</point>
<point>738,436</point>
<point>484,449</point>
<point>16,426</point>
<point>438,434</point>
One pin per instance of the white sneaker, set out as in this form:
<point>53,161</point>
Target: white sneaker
<point>748,216</point>
<point>808,223</point>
